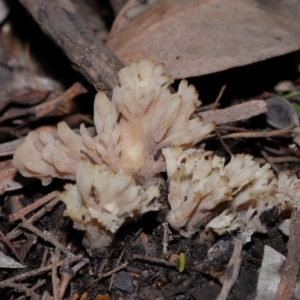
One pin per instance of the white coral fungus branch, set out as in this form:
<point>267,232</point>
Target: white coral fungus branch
<point>142,117</point>
<point>201,186</point>
<point>102,200</point>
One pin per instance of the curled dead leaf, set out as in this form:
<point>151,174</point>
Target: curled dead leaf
<point>194,38</point>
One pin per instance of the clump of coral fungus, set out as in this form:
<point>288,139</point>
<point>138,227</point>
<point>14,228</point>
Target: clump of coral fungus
<point>141,118</point>
<point>202,188</point>
<point>102,200</point>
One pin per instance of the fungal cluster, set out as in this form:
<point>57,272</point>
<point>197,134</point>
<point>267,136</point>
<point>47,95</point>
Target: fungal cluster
<point>117,172</point>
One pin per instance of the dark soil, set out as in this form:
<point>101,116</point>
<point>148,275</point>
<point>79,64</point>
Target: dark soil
<point>146,279</point>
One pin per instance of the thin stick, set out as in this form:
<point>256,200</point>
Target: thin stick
<point>88,54</point>
<point>36,204</point>
<point>45,255</point>
<point>123,266</point>
<point>165,241</point>
<point>45,108</point>
<point>234,113</point>
<point>39,283</point>
<point>22,288</point>
<point>290,272</point>
<point>219,97</point>
<point>263,134</point>
<point>39,271</point>
<point>67,275</point>
<point>122,254</point>
<point>55,280</point>
<point>155,260</point>
<point>279,160</point>
<point>10,245</point>
<point>222,142</point>
<point>45,236</point>
<point>232,270</point>
<point>266,157</point>
<point>16,231</point>
<point>101,267</point>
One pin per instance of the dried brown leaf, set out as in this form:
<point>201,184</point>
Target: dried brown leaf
<point>8,180</point>
<point>195,38</point>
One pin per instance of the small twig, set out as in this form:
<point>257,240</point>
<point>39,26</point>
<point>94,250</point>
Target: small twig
<point>45,108</point>
<point>46,236</point>
<point>22,288</point>
<point>55,280</point>
<point>232,270</point>
<point>123,266</point>
<point>202,108</point>
<point>234,113</point>
<point>219,97</point>
<point>232,128</point>
<point>45,255</point>
<point>67,275</point>
<point>28,62</point>
<point>165,241</point>
<point>222,142</point>
<point>39,271</point>
<point>16,231</point>
<point>155,260</point>
<point>266,157</point>
<point>122,254</point>
<point>31,240</point>
<point>88,54</point>
<point>102,266</point>
<point>290,272</point>
<point>36,204</point>
<point>39,283</point>
<point>278,160</point>
<point>6,240</point>
<point>262,134</point>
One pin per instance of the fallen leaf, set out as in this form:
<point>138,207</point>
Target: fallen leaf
<point>10,180</point>
<point>270,274</point>
<point>194,37</point>
<point>8,262</point>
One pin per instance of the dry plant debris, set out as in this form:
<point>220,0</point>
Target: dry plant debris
<point>290,271</point>
<point>8,262</point>
<point>270,273</point>
<point>117,172</point>
<point>98,64</point>
<point>151,34</point>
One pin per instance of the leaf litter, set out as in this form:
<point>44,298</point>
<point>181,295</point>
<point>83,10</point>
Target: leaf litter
<point>178,34</point>
<point>153,275</point>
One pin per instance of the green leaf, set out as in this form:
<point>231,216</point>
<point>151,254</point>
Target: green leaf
<point>181,262</point>
<point>209,173</point>
<point>296,108</point>
<point>163,84</point>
